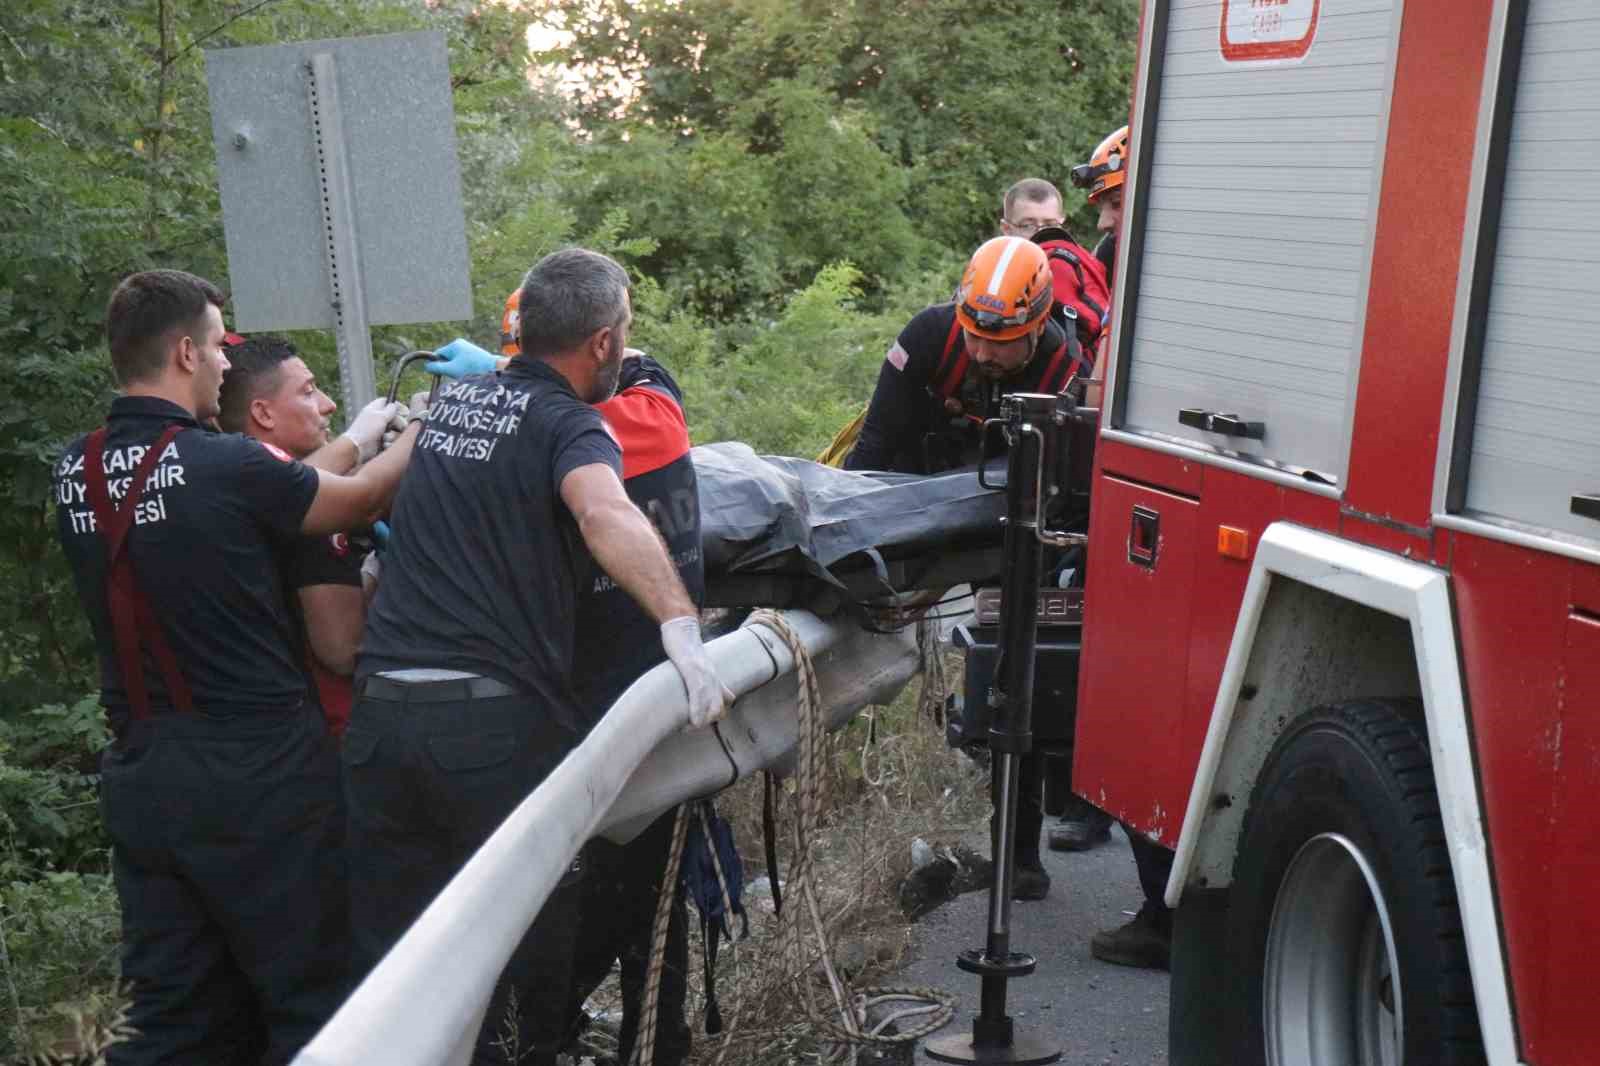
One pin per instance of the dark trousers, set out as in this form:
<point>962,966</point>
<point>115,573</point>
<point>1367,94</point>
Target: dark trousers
<point>426,784</point>
<point>621,884</point>
<point>1155,866</point>
<point>227,852</point>
<point>1030,806</point>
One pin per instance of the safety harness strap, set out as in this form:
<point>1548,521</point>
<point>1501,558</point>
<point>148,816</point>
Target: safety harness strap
<point>133,623</point>
<point>1049,382</point>
<point>951,370</point>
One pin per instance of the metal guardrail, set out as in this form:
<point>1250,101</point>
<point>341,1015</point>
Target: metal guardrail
<point>423,1004</point>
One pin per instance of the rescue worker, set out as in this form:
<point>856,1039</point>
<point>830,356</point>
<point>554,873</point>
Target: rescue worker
<point>270,394</point>
<point>945,374</point>
<point>517,465</point>
<point>1103,175</point>
<point>617,643</point>
<point>220,790</point>
<point>1146,940</point>
<point>1029,206</point>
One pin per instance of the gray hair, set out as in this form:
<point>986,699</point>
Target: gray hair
<point>567,297</point>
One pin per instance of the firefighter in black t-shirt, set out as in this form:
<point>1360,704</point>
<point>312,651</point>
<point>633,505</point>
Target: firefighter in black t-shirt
<point>220,791</point>
<point>616,644</point>
<point>943,376</point>
<point>465,697</point>
<point>270,394</point>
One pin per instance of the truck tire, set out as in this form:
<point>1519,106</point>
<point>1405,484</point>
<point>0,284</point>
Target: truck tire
<point>1343,924</point>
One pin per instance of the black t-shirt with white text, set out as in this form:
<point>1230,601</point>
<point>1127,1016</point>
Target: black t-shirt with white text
<point>483,562</point>
<point>216,511</point>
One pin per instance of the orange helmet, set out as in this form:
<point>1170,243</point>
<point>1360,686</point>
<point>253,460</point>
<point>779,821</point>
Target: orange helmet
<point>1006,289</point>
<point>1106,169</point>
<point>511,325</point>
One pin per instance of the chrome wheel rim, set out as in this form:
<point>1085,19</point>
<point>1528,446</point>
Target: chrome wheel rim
<point>1331,980</point>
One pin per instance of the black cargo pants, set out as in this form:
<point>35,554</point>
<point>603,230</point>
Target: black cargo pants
<point>427,781</point>
<point>227,852</point>
<point>621,885</point>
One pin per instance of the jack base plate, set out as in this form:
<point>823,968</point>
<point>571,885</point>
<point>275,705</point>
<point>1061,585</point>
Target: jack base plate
<point>1023,1051</point>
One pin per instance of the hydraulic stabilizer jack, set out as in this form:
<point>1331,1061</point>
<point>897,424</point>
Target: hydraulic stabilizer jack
<point>1036,428</point>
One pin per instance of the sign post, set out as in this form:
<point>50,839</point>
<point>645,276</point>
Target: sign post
<point>341,194</point>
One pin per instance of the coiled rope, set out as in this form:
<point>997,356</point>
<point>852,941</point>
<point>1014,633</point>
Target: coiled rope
<point>852,1006</point>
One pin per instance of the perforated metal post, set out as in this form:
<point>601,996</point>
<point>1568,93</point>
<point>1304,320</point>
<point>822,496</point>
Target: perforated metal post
<point>357,379</point>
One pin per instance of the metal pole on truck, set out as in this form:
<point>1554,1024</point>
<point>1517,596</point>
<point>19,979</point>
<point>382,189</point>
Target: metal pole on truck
<point>1033,424</point>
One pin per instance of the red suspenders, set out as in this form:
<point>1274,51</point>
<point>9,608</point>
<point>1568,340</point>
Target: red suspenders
<point>1055,364</point>
<point>133,623</point>
<point>947,379</point>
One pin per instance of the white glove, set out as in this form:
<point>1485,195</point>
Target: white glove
<point>709,698</point>
<point>415,411</point>
<point>366,428</point>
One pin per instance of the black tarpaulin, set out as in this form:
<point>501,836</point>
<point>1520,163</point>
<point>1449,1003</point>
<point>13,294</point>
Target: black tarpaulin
<point>763,514</point>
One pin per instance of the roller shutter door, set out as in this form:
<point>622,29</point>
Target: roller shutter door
<point>1261,197</point>
<point>1536,430</point>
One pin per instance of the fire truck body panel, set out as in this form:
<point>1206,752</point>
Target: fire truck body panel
<point>1364,545</point>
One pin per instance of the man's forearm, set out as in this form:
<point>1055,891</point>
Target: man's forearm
<point>383,473</point>
<point>339,456</point>
<point>629,549</point>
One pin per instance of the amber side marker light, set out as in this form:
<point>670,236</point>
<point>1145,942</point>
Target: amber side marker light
<point>1234,543</point>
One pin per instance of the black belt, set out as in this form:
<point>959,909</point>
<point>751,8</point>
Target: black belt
<point>378,687</point>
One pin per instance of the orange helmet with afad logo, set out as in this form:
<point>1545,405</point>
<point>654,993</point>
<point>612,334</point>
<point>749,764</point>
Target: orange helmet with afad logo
<point>511,325</point>
<point>1006,290</point>
<point>1106,169</point>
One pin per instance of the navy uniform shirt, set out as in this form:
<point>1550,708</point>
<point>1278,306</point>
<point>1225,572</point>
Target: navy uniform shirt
<point>904,412</point>
<point>617,640</point>
<point>215,512</point>
<point>482,568</point>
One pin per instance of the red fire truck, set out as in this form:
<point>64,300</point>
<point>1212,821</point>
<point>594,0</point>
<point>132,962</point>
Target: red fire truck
<point>1342,630</point>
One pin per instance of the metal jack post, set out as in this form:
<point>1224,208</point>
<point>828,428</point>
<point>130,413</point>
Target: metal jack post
<point>1033,425</point>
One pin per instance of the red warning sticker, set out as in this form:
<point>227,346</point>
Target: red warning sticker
<point>1268,31</point>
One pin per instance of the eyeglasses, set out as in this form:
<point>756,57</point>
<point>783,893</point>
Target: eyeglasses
<point>1027,227</point>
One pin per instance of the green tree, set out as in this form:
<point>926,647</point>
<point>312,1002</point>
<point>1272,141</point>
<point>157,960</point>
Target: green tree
<point>964,97</point>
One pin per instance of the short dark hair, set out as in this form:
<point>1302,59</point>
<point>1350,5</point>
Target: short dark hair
<point>253,370</point>
<point>147,306</point>
<point>1035,190</point>
<point>567,297</point>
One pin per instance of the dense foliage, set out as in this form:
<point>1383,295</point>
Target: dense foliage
<point>788,181</point>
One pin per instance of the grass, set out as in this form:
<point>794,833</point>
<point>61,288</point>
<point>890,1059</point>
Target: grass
<point>876,798</point>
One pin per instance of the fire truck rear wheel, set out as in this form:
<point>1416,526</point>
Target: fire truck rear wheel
<point>1343,917</point>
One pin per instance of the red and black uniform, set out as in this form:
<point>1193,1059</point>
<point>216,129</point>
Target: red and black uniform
<point>220,792</point>
<point>929,402</point>
<point>617,642</point>
<point>479,589</point>
<point>330,560</point>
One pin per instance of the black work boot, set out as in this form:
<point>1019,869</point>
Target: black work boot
<point>1028,879</point>
<point>1082,826</point>
<point>1145,942</point>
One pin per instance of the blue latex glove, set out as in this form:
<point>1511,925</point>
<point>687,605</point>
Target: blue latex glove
<point>459,358</point>
<point>380,535</point>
